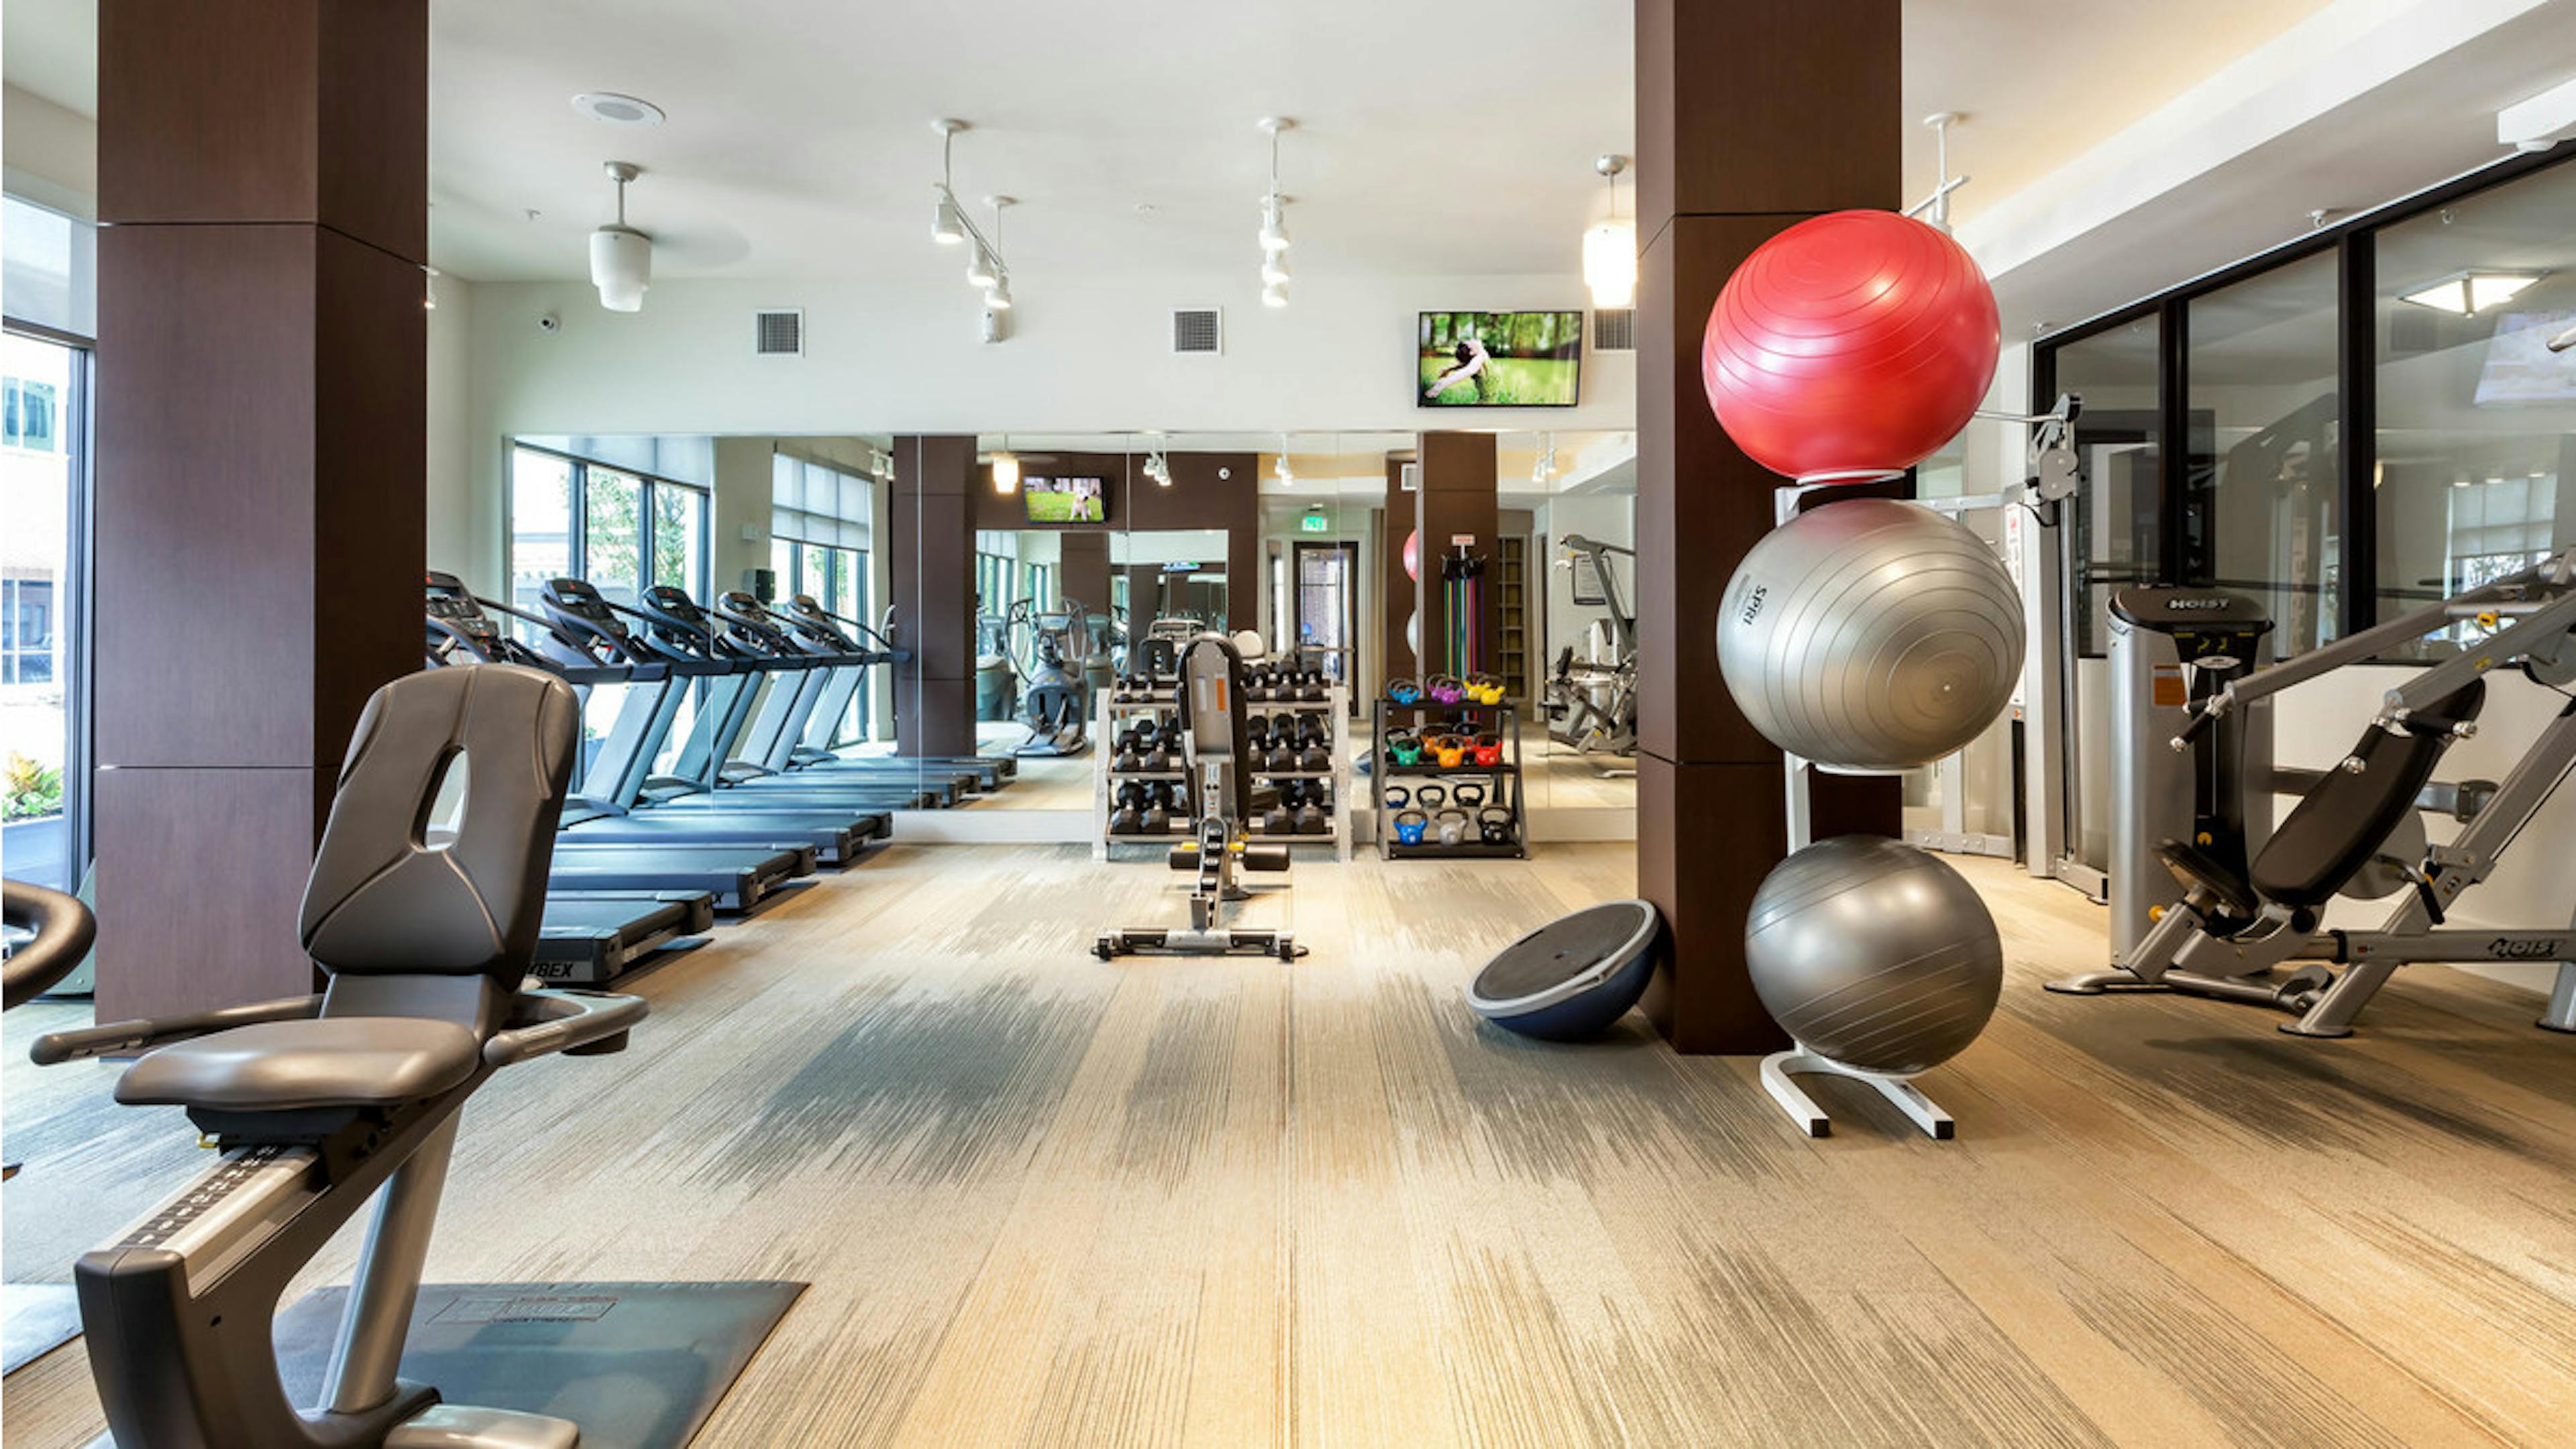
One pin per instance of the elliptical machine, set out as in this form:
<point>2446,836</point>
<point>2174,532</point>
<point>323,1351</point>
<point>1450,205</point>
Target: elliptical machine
<point>1048,650</point>
<point>1592,703</point>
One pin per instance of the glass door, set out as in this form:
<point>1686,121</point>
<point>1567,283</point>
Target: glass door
<point>43,729</point>
<point>1326,575</point>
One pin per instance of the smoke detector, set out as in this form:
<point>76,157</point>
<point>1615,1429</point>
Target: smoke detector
<point>617,110</point>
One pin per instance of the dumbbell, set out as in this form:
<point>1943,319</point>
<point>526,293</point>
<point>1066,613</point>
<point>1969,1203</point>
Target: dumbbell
<point>1315,759</point>
<point>1311,816</point>
<point>1311,688</point>
<point>1129,816</point>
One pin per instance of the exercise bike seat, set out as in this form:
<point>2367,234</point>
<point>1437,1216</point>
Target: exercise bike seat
<point>2196,869</point>
<point>2334,831</point>
<point>285,1066</point>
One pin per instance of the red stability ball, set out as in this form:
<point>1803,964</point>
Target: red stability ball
<point>1413,555</point>
<point>1849,346</point>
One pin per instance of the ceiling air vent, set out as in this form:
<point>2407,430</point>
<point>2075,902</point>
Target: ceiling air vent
<point>779,332</point>
<point>1198,329</point>
<point>1614,329</point>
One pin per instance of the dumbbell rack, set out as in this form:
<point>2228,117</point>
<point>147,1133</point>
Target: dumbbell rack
<point>1113,714</point>
<point>1503,781</point>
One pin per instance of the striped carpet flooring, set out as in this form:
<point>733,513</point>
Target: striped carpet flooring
<point>1047,1200</point>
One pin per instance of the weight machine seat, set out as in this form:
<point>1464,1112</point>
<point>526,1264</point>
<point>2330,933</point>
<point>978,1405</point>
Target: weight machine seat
<point>2334,831</point>
<point>2196,869</point>
<point>284,1066</point>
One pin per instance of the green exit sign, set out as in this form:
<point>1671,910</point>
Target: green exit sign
<point>1315,523</point>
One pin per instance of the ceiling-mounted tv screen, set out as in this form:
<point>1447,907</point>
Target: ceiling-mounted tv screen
<point>1499,360</point>
<point>1066,500</point>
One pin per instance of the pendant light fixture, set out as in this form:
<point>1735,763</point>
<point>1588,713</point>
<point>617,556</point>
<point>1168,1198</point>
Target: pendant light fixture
<point>1280,470</point>
<point>951,226</point>
<point>621,258</point>
<point>1610,247</point>
<point>1274,222</point>
<point>1006,468</point>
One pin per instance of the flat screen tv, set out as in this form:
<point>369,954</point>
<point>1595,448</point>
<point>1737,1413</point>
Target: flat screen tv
<point>1066,500</point>
<point>1498,360</point>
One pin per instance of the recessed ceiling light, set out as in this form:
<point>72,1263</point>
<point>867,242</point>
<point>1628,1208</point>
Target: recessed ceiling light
<point>617,110</point>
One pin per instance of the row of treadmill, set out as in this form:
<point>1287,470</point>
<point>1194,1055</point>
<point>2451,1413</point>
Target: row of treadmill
<point>660,838</point>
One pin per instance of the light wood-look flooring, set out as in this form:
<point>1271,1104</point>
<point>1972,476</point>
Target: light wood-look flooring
<point>1047,1200</point>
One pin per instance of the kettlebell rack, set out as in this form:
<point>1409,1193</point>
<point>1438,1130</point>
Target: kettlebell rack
<point>1160,706</point>
<point>1499,780</point>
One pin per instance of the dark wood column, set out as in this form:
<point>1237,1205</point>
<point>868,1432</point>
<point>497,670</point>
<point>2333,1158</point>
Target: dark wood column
<point>260,518</point>
<point>1214,491</point>
<point>1456,504</point>
<point>1398,597</point>
<point>1082,570</point>
<point>932,566</point>
<point>1750,118</point>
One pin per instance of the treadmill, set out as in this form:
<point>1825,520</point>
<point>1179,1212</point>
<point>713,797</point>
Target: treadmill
<point>586,938</point>
<point>820,633</point>
<point>610,804</point>
<point>774,742</point>
<point>711,758</point>
<point>737,876</point>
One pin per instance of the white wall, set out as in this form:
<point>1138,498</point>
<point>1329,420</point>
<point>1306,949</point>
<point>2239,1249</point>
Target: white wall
<point>51,154</point>
<point>464,529</point>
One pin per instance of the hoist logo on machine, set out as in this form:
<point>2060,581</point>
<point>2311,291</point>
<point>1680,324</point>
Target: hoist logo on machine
<point>2505,948</point>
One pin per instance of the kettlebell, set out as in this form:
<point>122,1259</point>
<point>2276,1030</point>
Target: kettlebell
<point>1431,797</point>
<point>1411,826</point>
<point>1403,691</point>
<point>1453,751</point>
<point>1397,797</point>
<point>1445,689</point>
<point>1489,749</point>
<point>1404,749</point>
<point>1453,826</point>
<point>1484,689</point>
<point>1495,823</point>
<point>1469,796</point>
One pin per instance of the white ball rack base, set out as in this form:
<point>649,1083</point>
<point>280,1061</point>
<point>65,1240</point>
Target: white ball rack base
<point>1900,1092</point>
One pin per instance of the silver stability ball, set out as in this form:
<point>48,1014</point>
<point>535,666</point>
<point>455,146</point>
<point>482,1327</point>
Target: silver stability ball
<point>1871,634</point>
<point>1874,954</point>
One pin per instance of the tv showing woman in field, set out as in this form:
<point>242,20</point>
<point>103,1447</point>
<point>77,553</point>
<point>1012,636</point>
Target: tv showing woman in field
<point>1499,359</point>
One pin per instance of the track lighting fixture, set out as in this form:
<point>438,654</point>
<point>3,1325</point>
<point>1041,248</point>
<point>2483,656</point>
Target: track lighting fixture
<point>1610,246</point>
<point>1274,223</point>
<point>1158,468</point>
<point>621,258</point>
<point>951,226</point>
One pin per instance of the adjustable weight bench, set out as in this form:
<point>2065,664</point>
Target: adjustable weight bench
<point>1214,744</point>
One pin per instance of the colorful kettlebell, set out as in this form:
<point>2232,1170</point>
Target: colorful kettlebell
<point>1404,749</point>
<point>1403,691</point>
<point>1452,751</point>
<point>1411,826</point>
<point>1489,749</point>
<point>1453,826</point>
<point>1484,689</point>
<point>1444,689</point>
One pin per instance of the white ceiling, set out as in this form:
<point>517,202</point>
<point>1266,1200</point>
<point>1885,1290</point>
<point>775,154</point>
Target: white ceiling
<point>799,145</point>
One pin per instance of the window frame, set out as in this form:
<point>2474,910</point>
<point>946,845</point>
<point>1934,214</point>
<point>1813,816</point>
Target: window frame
<point>577,525</point>
<point>2353,242</point>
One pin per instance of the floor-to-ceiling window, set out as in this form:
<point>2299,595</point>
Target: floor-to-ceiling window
<point>44,496</point>
<point>819,530</point>
<point>2260,507</point>
<point>2476,414</point>
<point>620,529</point>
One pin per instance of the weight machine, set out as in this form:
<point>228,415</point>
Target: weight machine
<point>1047,650</point>
<point>2233,927</point>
